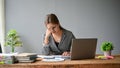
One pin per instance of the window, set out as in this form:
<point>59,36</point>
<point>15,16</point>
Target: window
<point>2,24</point>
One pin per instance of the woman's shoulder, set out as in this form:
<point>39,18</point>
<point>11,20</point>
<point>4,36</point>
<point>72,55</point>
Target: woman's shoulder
<point>67,31</point>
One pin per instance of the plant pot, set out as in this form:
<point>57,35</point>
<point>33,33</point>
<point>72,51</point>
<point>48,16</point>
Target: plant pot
<point>107,53</point>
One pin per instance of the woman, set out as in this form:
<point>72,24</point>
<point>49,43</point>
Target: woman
<point>57,40</point>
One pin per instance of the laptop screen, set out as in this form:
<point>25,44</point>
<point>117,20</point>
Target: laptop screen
<point>84,48</point>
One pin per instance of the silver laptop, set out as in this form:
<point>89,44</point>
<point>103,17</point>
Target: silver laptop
<point>84,48</point>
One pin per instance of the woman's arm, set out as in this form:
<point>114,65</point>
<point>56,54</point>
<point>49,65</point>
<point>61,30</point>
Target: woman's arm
<point>46,37</point>
<point>69,37</point>
<point>45,48</point>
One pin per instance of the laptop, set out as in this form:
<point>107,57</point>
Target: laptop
<point>83,48</point>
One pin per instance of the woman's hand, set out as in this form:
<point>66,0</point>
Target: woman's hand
<point>66,53</point>
<point>47,35</point>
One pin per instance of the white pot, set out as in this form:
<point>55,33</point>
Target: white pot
<point>107,53</point>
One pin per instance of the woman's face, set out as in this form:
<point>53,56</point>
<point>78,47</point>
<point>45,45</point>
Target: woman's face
<point>53,28</point>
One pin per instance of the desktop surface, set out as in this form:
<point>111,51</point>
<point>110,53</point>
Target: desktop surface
<point>87,63</point>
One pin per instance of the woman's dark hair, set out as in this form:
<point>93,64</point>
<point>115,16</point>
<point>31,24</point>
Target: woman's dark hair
<point>52,18</point>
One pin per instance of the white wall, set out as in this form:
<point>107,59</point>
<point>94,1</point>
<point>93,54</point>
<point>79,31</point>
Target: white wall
<point>85,18</point>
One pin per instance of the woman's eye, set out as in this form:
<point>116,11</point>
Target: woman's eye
<point>54,27</point>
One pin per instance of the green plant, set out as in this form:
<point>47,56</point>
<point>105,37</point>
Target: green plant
<point>13,40</point>
<point>107,46</point>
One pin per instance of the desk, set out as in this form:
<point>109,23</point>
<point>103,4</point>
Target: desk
<point>88,63</point>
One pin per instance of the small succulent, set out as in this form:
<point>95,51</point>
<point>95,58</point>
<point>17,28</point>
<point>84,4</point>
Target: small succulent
<point>107,46</point>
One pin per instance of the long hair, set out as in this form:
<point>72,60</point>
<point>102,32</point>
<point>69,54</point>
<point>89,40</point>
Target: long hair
<point>52,18</point>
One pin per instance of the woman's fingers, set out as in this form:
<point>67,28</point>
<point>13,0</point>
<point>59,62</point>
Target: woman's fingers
<point>66,54</point>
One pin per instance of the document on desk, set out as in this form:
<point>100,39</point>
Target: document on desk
<point>45,57</point>
<point>52,58</point>
<point>61,56</point>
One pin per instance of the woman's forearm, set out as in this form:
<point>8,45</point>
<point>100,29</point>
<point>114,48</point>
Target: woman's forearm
<point>46,40</point>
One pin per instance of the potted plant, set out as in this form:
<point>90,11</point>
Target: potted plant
<point>107,47</point>
<point>13,40</point>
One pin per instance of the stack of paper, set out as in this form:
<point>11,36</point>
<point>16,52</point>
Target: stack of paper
<point>26,57</point>
<point>7,58</point>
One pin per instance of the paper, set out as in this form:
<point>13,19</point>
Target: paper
<point>46,57</point>
<point>61,56</point>
<point>26,54</point>
<point>8,54</point>
<point>53,56</point>
<point>53,60</point>
<point>7,58</point>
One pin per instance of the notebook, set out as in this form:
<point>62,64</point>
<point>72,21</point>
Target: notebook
<point>83,48</point>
